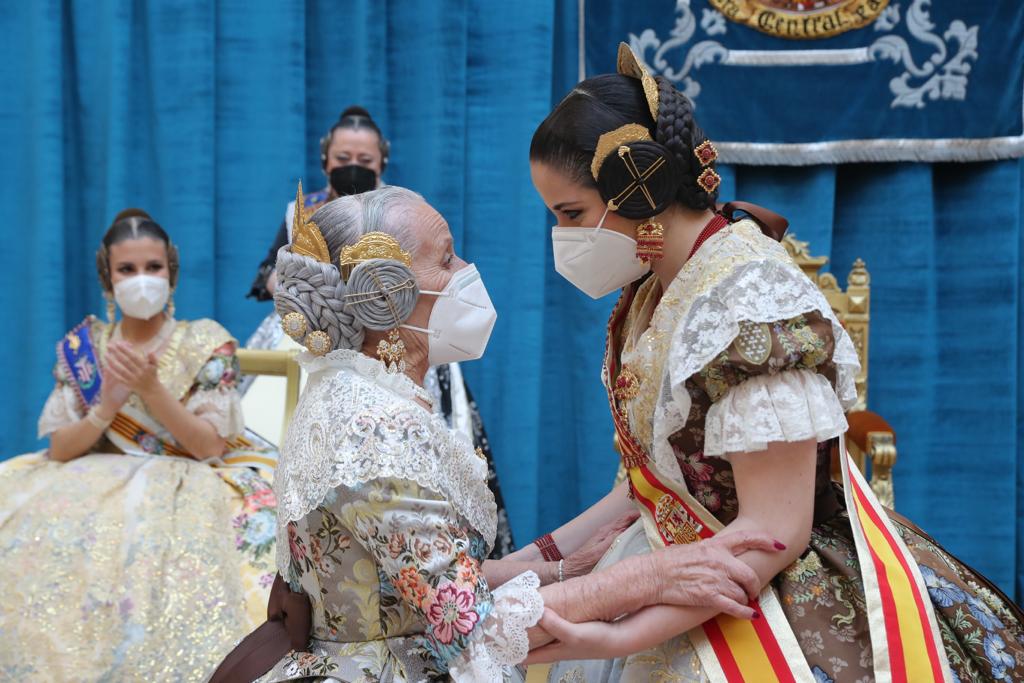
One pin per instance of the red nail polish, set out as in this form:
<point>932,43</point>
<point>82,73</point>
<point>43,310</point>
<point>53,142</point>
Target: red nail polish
<point>757,615</point>
<point>779,546</point>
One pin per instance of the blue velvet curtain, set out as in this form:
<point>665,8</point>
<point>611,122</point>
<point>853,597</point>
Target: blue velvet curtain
<point>207,114</point>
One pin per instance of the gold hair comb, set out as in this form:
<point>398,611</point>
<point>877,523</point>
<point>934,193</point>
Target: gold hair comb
<point>613,139</point>
<point>307,239</point>
<point>630,65</point>
<point>370,246</point>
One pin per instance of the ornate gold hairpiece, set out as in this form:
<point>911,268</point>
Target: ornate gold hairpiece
<point>307,239</point>
<point>612,140</point>
<point>630,65</point>
<point>370,246</point>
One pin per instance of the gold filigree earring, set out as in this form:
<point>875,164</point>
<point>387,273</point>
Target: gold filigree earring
<point>650,241</point>
<point>391,352</point>
<point>170,305</point>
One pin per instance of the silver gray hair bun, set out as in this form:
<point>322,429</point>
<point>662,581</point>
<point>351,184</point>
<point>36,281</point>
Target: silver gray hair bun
<point>381,293</point>
<point>317,291</point>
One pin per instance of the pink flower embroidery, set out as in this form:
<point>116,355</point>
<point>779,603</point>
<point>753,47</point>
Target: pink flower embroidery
<point>451,611</point>
<point>260,499</point>
<point>695,467</point>
<point>295,542</point>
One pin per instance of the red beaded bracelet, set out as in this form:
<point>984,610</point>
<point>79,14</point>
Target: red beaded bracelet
<point>548,550</point>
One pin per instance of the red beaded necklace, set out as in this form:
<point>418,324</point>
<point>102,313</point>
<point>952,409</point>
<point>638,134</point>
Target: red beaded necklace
<point>717,222</point>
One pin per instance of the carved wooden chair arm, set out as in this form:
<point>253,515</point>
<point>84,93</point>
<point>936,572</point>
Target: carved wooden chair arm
<point>870,436</point>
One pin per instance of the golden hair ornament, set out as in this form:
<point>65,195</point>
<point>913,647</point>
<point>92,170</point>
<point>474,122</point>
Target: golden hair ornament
<point>630,65</point>
<point>615,139</point>
<point>307,239</point>
<point>372,245</point>
<point>294,325</point>
<point>318,343</point>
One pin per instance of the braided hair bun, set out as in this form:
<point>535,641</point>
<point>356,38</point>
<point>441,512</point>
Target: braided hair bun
<point>657,168</point>
<point>381,293</point>
<point>677,130</point>
<point>316,290</point>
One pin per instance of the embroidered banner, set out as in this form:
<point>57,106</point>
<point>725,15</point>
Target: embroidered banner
<point>796,82</point>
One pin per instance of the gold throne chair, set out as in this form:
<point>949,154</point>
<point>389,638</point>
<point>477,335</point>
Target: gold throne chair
<point>870,439</point>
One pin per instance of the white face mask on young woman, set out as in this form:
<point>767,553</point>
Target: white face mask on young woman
<point>142,296</point>
<point>596,260</point>
<point>461,321</point>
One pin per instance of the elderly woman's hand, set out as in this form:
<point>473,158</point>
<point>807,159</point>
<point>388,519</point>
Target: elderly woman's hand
<point>591,552</point>
<point>709,573</point>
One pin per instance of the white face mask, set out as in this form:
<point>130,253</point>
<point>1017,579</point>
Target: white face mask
<point>461,321</point>
<point>142,296</point>
<point>596,260</point>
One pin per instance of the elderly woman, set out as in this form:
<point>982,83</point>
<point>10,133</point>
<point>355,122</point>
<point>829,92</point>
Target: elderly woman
<point>728,375</point>
<point>385,517</point>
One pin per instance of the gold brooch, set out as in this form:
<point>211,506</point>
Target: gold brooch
<point>627,385</point>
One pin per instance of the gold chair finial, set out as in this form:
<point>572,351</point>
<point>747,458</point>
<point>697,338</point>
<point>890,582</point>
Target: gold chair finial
<point>307,239</point>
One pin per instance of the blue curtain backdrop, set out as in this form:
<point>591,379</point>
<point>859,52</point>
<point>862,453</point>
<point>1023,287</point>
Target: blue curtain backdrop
<point>207,114</point>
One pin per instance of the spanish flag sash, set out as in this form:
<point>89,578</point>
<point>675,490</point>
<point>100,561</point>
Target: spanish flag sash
<point>904,634</point>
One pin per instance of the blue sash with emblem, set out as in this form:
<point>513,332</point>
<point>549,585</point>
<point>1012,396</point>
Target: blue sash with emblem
<point>77,354</point>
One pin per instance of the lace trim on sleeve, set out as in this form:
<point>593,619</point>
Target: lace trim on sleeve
<point>791,406</point>
<point>61,409</point>
<point>220,407</point>
<point>500,641</point>
<point>763,290</point>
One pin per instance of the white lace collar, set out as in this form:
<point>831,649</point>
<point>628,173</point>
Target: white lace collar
<point>356,422</point>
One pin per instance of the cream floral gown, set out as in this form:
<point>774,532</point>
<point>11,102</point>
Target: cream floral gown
<point>132,563</point>
<point>385,518</point>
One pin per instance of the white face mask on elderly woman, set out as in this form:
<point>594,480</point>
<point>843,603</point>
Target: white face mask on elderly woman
<point>595,260</point>
<point>461,321</point>
<point>142,296</point>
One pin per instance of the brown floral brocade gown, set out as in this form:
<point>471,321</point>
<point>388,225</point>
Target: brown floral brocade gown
<point>742,350</point>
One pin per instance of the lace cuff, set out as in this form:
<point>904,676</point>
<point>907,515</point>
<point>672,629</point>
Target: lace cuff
<point>500,641</point>
<point>220,407</point>
<point>790,406</point>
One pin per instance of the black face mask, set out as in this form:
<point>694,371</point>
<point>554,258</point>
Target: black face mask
<point>352,179</point>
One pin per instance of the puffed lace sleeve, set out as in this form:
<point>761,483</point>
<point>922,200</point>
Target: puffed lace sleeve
<point>429,564</point>
<point>762,342</point>
<point>62,407</point>
<point>215,393</point>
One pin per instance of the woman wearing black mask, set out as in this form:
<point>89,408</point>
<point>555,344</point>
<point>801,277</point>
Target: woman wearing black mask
<point>353,155</point>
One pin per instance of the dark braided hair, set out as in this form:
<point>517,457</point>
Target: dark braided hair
<point>567,138</point>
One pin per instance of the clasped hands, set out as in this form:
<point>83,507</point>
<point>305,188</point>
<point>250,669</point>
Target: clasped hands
<point>707,574</point>
<point>126,371</point>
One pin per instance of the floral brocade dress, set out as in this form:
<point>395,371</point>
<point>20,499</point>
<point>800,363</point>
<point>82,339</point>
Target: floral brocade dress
<point>384,520</point>
<point>742,350</point>
<point>131,562</point>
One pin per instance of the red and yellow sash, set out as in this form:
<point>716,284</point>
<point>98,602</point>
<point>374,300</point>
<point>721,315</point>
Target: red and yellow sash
<point>131,435</point>
<point>904,634</point>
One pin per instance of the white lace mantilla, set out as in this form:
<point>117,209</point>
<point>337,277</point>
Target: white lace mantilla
<point>501,641</point>
<point>738,275</point>
<point>354,423</point>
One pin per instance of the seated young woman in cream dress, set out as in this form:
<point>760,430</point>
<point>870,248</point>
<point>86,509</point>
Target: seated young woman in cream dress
<point>139,545</point>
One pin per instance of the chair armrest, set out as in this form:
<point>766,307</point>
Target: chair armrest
<point>872,436</point>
